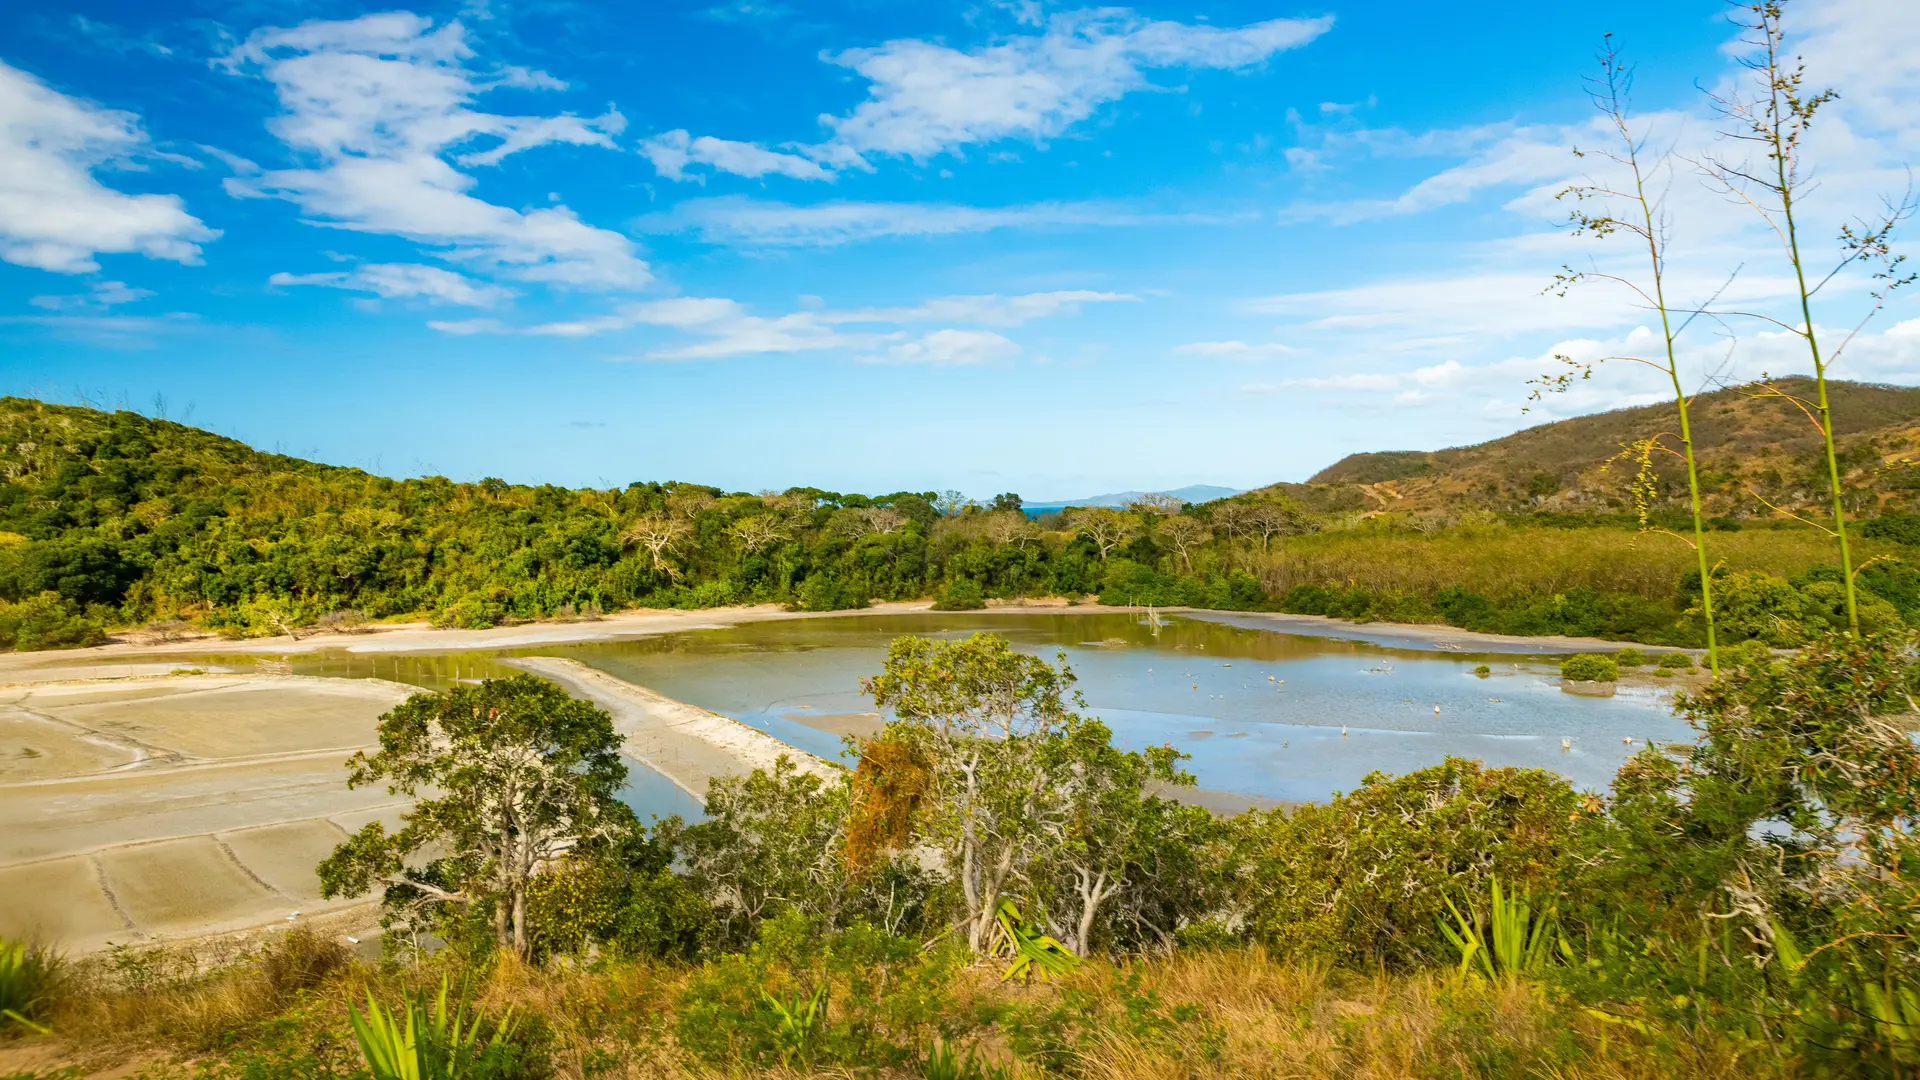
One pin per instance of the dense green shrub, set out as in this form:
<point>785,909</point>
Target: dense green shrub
<point>1675,660</point>
<point>803,997</point>
<point>47,621</point>
<point>1630,658</point>
<point>1589,667</point>
<point>961,594</point>
<point>1365,877</point>
<point>31,977</point>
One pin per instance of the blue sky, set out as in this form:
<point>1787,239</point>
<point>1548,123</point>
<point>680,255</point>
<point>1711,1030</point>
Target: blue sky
<point>876,245</point>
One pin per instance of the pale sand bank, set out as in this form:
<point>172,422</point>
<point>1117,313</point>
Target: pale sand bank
<point>178,806</point>
<point>687,745</point>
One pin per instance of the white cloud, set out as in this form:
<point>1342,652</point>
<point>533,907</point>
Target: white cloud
<point>925,99</point>
<point>397,281</point>
<point>715,328</point>
<point>469,327</point>
<point>672,151</point>
<point>54,215</point>
<point>955,347</point>
<point>761,223</point>
<point>382,104</point>
<point>102,295</point>
<point>993,310</point>
<point>1238,350</point>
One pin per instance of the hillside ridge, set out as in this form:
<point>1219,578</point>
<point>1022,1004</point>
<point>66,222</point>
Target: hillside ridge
<point>1755,447</point>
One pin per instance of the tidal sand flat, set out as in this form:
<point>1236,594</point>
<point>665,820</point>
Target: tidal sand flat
<point>171,806</point>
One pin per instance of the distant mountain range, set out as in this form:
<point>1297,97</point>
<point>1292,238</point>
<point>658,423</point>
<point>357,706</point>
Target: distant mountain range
<point>1193,493</point>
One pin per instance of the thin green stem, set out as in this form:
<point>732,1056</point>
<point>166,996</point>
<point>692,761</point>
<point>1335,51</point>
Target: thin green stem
<point>1781,152</point>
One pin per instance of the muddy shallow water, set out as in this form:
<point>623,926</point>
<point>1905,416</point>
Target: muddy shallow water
<point>1279,715</point>
<point>1276,715</point>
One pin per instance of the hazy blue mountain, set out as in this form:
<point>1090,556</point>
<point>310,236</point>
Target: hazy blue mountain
<point>1193,493</point>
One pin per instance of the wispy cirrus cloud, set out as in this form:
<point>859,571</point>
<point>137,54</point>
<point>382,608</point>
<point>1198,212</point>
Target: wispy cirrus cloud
<point>672,152</point>
<point>1235,350</point>
<point>400,281</point>
<point>383,105</point>
<point>926,98</point>
<point>715,328</point>
<point>745,222</point>
<point>101,296</point>
<point>54,213</point>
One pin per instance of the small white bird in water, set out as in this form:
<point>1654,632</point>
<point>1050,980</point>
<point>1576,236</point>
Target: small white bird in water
<point>1566,744</point>
<point>1626,740</point>
<point>1270,678</point>
<point>1343,731</point>
<point>1436,709</point>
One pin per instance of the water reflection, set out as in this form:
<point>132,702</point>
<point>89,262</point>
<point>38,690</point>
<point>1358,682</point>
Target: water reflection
<point>1286,716</point>
<point>1289,716</point>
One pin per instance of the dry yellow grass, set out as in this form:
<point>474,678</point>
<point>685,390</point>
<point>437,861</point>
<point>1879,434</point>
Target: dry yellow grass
<point>1502,561</point>
<point>1251,1017</point>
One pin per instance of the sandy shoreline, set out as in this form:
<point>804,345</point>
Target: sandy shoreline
<point>686,744</point>
<point>21,667</point>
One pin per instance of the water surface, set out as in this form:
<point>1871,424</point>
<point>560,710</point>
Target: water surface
<point>1279,715</point>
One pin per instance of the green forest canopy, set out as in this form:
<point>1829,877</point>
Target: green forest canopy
<point>117,519</point>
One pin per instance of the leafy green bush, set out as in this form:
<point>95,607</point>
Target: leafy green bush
<point>1364,878</point>
<point>422,1040</point>
<point>960,594</point>
<point>1589,667</point>
<point>1678,660</point>
<point>1630,657</point>
<point>801,998</point>
<point>31,976</point>
<point>825,592</point>
<point>301,960</point>
<point>47,621</point>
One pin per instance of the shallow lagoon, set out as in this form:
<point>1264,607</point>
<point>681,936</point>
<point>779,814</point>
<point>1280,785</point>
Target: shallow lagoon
<point>1261,712</point>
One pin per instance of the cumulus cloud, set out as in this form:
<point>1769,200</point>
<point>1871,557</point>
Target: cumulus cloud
<point>925,98</point>
<point>383,105</point>
<point>54,214</point>
<point>398,281</point>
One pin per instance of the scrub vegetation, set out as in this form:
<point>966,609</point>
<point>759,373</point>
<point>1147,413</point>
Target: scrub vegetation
<point>114,522</point>
<point>995,890</point>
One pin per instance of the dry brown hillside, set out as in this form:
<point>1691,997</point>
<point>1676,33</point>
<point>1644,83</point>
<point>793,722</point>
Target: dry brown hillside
<point>1755,448</point>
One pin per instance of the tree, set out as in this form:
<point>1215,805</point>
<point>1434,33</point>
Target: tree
<point>1230,518</point>
<point>1185,534</point>
<point>1156,502</point>
<point>1108,825</point>
<point>951,503</point>
<point>1106,527</point>
<point>1011,527</point>
<point>659,534</point>
<point>510,775</point>
<point>984,716</point>
<point>771,842</point>
<point>1775,119</point>
<point>1006,500</point>
<point>757,531</point>
<point>1268,519</point>
<point>883,520</point>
